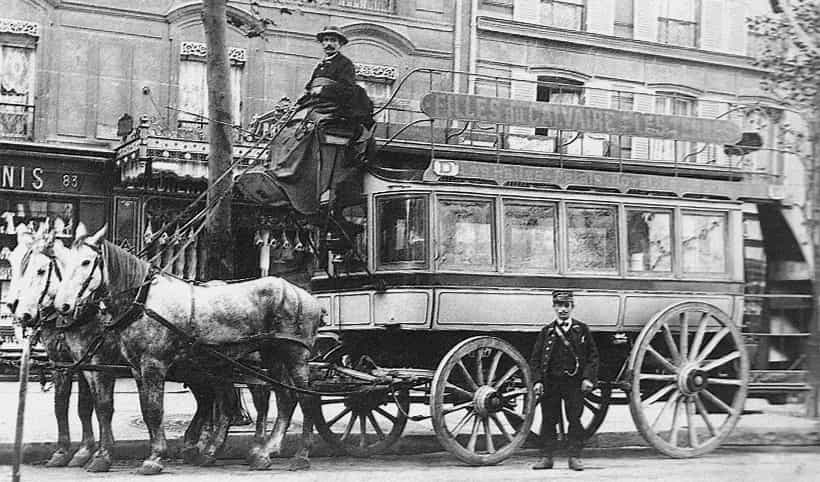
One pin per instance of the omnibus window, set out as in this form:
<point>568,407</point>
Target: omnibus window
<point>592,242</point>
<point>649,235</point>
<point>402,230</point>
<point>703,243</point>
<point>529,237</point>
<point>465,234</point>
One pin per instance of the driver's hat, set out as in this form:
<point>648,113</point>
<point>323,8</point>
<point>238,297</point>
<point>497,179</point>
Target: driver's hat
<point>562,296</point>
<point>334,31</point>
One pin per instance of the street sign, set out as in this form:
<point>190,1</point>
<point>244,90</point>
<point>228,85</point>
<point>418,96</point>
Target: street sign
<point>448,105</point>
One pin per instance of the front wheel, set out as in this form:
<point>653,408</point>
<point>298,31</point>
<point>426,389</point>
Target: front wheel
<point>677,374</point>
<point>481,400</point>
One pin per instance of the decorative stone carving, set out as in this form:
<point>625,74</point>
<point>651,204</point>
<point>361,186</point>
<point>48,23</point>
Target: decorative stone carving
<point>20,27</point>
<point>371,71</point>
<point>197,49</point>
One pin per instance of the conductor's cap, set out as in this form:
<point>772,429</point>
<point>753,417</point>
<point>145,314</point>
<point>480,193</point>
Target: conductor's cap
<point>562,297</point>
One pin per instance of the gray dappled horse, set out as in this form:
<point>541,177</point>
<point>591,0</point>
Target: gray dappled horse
<point>267,315</point>
<point>36,266</point>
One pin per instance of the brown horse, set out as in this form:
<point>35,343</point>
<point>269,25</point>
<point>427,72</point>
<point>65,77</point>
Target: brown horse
<point>36,269</point>
<point>268,315</point>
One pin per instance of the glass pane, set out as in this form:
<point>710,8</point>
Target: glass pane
<point>529,237</point>
<point>592,239</point>
<point>465,234</point>
<point>649,237</point>
<point>704,243</point>
<point>402,230</point>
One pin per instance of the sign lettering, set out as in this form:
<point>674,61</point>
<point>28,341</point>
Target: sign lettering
<point>446,105</point>
<point>21,177</point>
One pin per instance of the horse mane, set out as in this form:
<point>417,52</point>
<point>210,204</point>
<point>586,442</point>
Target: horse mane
<point>124,270</point>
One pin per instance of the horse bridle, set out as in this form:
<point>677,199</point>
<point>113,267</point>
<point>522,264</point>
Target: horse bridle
<point>93,296</point>
<point>43,314</point>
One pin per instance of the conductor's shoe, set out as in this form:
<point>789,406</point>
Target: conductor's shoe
<point>575,463</point>
<point>544,463</point>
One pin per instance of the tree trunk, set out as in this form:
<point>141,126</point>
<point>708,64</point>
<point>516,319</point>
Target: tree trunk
<point>219,255</point>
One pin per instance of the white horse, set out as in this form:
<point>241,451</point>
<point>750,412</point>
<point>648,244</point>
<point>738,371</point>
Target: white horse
<point>267,315</point>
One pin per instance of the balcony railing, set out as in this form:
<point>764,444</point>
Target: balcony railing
<point>381,6</point>
<point>17,121</point>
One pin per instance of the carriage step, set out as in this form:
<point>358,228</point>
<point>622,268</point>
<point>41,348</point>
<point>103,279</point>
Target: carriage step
<point>768,381</point>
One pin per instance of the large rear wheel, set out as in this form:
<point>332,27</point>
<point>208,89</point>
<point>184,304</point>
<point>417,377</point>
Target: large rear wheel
<point>481,400</point>
<point>682,359</point>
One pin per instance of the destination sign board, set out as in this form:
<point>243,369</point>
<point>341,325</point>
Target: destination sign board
<point>624,182</point>
<point>467,107</point>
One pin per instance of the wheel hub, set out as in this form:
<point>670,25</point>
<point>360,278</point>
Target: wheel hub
<point>692,380</point>
<point>487,400</point>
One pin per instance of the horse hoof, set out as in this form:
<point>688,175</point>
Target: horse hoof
<point>190,455</point>
<point>258,462</point>
<point>150,467</point>
<point>81,457</point>
<point>59,458</point>
<point>204,460</point>
<point>99,464</point>
<point>299,463</point>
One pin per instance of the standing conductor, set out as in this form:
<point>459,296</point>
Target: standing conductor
<point>564,362</point>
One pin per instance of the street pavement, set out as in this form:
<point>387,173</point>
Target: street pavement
<point>761,424</point>
<point>741,464</point>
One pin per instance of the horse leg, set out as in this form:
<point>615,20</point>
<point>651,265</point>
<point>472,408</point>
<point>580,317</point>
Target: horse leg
<point>261,400</point>
<point>300,376</point>
<point>62,394</point>
<point>204,403</point>
<point>225,406</point>
<point>102,387</point>
<point>151,384</point>
<point>85,408</point>
<point>259,458</point>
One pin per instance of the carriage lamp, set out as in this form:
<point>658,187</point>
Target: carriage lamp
<point>748,143</point>
<point>445,168</point>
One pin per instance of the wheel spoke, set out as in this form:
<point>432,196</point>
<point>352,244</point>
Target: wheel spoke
<point>704,415</point>
<point>666,364</point>
<point>467,375</point>
<point>501,381</point>
<point>488,434</point>
<point>725,381</point>
<point>462,422</point>
<point>384,414</point>
<point>501,427</point>
<point>663,377</point>
<point>721,361</point>
<point>479,369</point>
<point>329,401</point>
<point>720,403</point>
<point>690,412</point>
<point>375,425</point>
<point>657,395</point>
<point>684,337</point>
<point>670,343</point>
<point>494,367</point>
<point>514,393</point>
<point>671,401</point>
<point>673,432</point>
<point>363,429</point>
<point>591,407</point>
<point>473,436</point>
<point>456,408</point>
<point>349,426</point>
<point>338,417</point>
<point>712,344</point>
<point>459,390</point>
<point>702,325</point>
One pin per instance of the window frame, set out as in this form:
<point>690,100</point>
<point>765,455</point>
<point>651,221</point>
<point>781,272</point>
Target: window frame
<point>493,200</point>
<point>377,220</point>
<point>582,4</point>
<point>673,241</point>
<point>727,263</point>
<point>502,239</point>
<point>564,223</point>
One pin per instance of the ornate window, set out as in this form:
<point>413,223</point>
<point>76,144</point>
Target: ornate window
<point>18,40</point>
<point>529,237</point>
<point>193,86</point>
<point>592,238</point>
<point>401,230</point>
<point>465,235</point>
<point>567,14</point>
<point>677,23</point>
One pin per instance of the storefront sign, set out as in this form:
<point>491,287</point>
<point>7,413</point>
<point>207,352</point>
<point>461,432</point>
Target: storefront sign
<point>446,105</point>
<point>503,174</point>
<point>21,177</point>
<point>61,177</point>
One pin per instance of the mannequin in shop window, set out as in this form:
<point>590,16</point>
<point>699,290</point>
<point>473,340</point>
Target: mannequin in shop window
<point>262,239</point>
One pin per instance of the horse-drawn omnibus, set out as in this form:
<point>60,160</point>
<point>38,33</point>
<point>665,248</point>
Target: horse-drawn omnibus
<point>439,275</point>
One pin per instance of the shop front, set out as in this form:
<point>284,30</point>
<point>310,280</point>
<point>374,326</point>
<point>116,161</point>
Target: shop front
<point>58,185</point>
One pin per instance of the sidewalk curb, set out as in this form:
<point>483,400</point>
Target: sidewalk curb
<point>238,444</point>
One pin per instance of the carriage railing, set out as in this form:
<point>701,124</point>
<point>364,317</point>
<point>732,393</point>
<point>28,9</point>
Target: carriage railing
<point>401,119</point>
